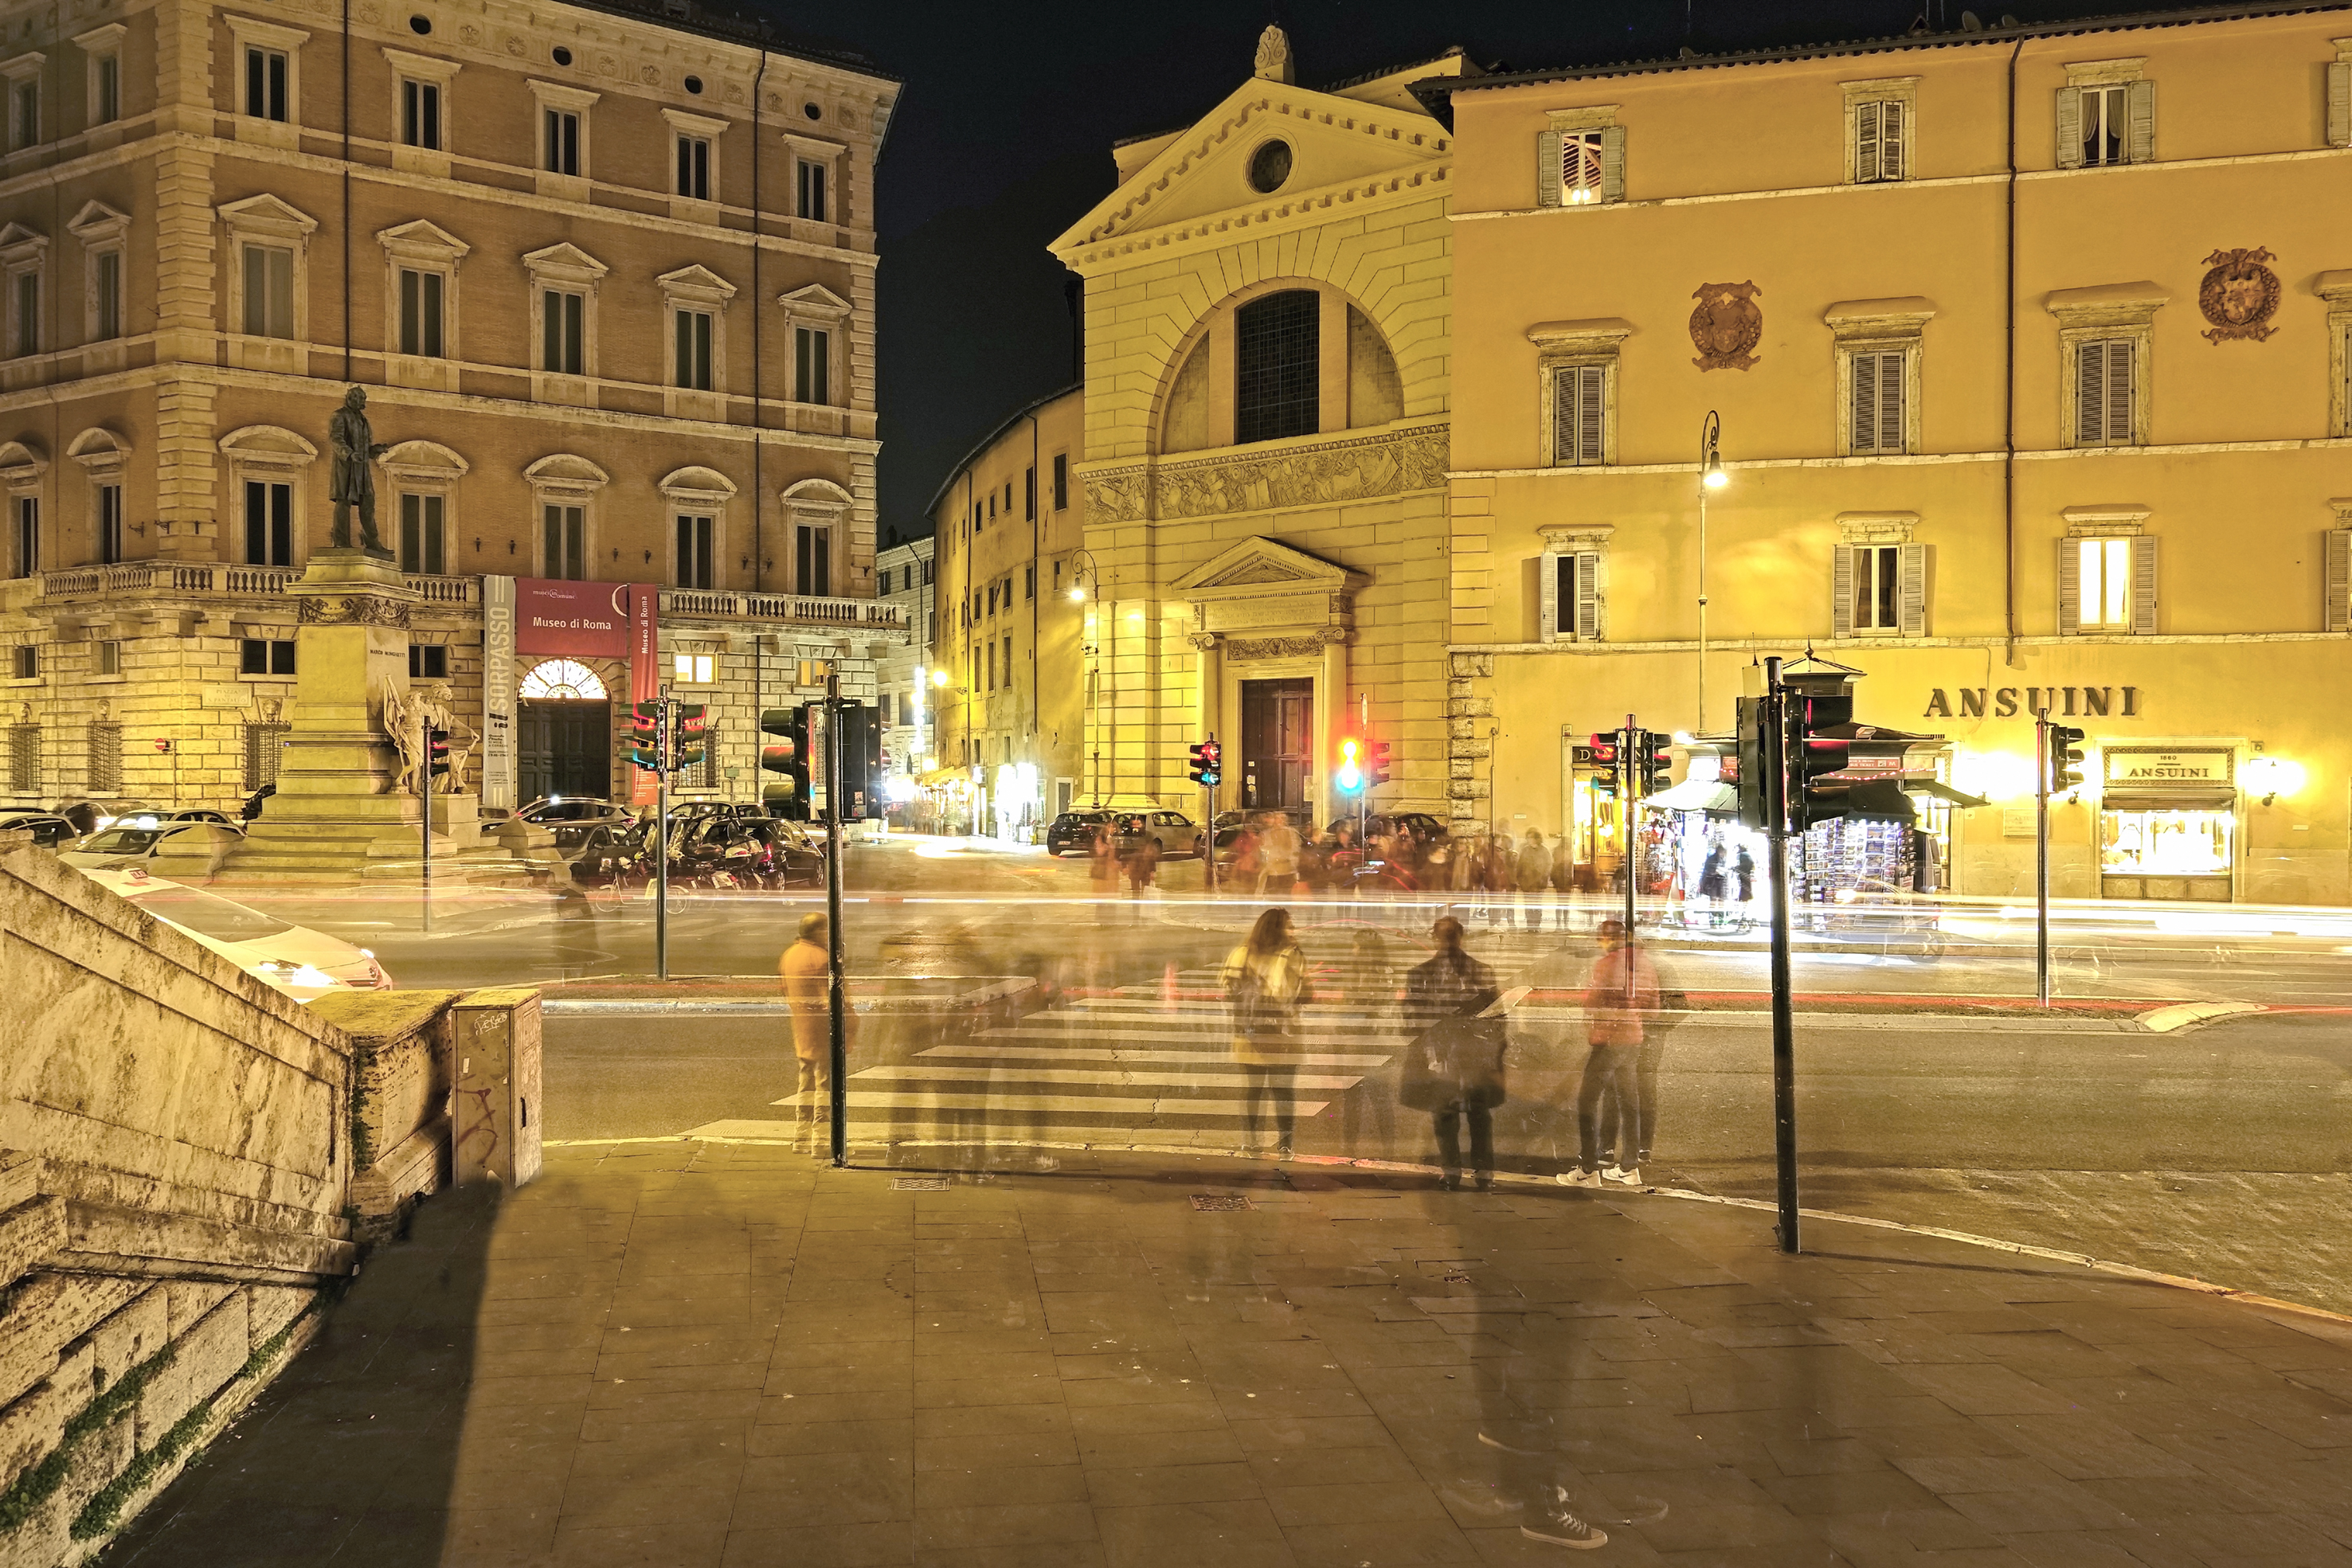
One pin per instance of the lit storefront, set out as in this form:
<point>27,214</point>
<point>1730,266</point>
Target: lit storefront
<point>2167,823</point>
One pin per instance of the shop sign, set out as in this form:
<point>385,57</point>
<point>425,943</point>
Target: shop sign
<point>2056,702</point>
<point>571,619</point>
<point>498,762</point>
<point>2129,767</point>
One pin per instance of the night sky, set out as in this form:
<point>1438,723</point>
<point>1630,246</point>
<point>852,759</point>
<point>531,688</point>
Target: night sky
<point>1003,138</point>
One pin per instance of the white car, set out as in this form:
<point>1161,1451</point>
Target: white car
<point>304,964</point>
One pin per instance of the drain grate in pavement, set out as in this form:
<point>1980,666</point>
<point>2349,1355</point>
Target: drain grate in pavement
<point>919,1183</point>
<point>1220,1203</point>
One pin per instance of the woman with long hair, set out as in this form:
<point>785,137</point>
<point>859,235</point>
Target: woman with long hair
<point>1453,1068</point>
<point>1265,978</point>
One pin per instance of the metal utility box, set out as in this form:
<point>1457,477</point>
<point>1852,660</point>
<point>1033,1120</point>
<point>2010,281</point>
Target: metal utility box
<point>496,1132</point>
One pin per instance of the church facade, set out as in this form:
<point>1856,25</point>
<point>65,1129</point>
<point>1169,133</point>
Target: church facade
<point>1267,396</point>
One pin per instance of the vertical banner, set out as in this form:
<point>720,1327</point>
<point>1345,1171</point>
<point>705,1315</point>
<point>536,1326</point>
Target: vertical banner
<point>499,778</point>
<point>644,672</point>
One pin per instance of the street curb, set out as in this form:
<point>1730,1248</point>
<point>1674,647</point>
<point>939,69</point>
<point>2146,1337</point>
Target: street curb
<point>1547,1183</point>
<point>2182,1014</point>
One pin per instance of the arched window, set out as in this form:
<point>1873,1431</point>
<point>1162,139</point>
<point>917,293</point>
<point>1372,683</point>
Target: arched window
<point>1277,361</point>
<point>562,680</point>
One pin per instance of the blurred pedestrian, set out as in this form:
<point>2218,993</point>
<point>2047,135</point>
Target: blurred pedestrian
<point>1142,866</point>
<point>1247,854</point>
<point>1743,871</point>
<point>1103,851</point>
<point>1498,869</point>
<point>1642,1130</point>
<point>1278,856</point>
<point>806,971</point>
<point>1454,1068</point>
<point>1621,995</point>
<point>1534,877</point>
<point>1371,990</point>
<point>1265,978</point>
<point>1713,885</point>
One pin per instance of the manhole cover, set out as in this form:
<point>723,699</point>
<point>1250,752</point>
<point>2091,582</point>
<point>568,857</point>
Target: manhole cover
<point>1219,1203</point>
<point>919,1183</point>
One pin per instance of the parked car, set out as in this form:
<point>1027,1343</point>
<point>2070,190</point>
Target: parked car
<point>304,964</point>
<point>1073,832</point>
<point>1177,833</point>
<point>1229,825</point>
<point>48,828</point>
<point>125,844</point>
<point>570,817</point>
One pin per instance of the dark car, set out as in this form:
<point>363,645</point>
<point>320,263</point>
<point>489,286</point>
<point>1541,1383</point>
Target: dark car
<point>48,828</point>
<point>571,816</point>
<point>1073,832</point>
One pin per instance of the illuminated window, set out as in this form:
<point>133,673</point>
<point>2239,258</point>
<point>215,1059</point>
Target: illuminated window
<point>692,669</point>
<point>2104,595</point>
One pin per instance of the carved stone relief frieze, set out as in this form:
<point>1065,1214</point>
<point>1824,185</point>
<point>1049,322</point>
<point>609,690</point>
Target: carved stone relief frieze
<point>351,610</point>
<point>1310,646</point>
<point>1301,476</point>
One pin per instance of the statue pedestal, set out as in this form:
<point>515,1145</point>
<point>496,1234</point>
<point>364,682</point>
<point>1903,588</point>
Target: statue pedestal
<point>337,816</point>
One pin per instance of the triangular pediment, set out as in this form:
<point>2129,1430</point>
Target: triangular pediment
<point>1340,149</point>
<point>1262,566</point>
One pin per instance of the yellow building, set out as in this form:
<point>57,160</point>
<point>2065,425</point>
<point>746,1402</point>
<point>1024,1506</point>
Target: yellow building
<point>607,277</point>
<point>2028,349</point>
<point>1267,392</point>
<point>1008,697</point>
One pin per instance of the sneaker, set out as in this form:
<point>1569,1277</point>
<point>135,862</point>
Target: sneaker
<point>1561,1528</point>
<point>1622,1176</point>
<point>1579,1178</point>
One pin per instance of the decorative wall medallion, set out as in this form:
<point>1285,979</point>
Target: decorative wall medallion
<point>1727,325</point>
<point>469,35</point>
<point>351,610</point>
<point>649,75</point>
<point>513,45</point>
<point>2240,295</point>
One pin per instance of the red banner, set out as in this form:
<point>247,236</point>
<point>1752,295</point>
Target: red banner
<point>571,619</point>
<point>644,672</point>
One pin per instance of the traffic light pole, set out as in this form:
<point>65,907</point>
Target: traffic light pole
<point>661,846</point>
<point>2042,858</point>
<point>1625,808</point>
<point>837,998</point>
<point>1784,1022</point>
<point>1209,853</point>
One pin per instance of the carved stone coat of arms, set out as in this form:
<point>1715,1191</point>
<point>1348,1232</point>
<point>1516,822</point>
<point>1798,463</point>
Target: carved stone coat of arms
<point>1727,325</point>
<point>2238,295</point>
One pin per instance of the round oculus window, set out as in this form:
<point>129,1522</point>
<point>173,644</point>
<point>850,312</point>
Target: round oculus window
<point>420,25</point>
<point>813,111</point>
<point>562,55</point>
<point>694,85</point>
<point>1269,167</point>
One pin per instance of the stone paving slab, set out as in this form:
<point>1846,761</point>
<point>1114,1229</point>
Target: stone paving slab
<point>695,1353</point>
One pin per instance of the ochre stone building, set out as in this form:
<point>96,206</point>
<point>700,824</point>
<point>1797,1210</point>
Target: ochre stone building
<point>2029,348</point>
<point>1015,605</point>
<point>606,276</point>
<point>1267,394</point>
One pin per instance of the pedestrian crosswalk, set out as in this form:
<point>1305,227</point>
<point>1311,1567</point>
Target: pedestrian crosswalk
<point>1147,1066</point>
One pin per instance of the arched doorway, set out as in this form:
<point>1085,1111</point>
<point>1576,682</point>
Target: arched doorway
<point>563,726</point>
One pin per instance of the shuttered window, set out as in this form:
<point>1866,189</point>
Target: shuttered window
<point>2339,579</point>
<point>1575,596</point>
<point>2108,585</point>
<point>2101,124</point>
<point>1875,424</point>
<point>1880,589</point>
<point>1579,416</point>
<point>2102,393</point>
<point>1878,140</point>
<point>1580,168</point>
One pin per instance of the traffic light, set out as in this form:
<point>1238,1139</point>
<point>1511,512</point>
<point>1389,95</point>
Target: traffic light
<point>1376,763</point>
<point>2065,758</point>
<point>437,753</point>
<point>1813,796</point>
<point>644,736</point>
<point>1654,770</point>
<point>1755,796</point>
<point>787,754</point>
<point>693,736</point>
<point>1603,747</point>
<point>859,732</point>
<point>1207,762</point>
<point>1349,774</point>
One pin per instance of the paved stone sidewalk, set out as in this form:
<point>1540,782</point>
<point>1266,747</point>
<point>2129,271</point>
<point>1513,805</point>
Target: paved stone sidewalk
<point>694,1353</point>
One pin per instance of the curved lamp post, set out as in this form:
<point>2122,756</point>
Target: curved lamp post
<point>1711,476</point>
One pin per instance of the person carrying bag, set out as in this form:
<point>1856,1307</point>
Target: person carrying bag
<point>1265,978</point>
<point>1453,1068</point>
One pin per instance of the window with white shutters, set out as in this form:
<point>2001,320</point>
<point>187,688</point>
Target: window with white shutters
<point>2339,579</point>
<point>1876,413</point>
<point>1575,596</point>
<point>2102,124</point>
<point>1580,167</point>
<point>2108,585</point>
<point>1879,135</point>
<point>2103,392</point>
<point>1579,416</point>
<point>1879,590</point>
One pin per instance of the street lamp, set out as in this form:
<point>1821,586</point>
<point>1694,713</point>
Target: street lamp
<point>1086,576</point>
<point>1711,476</point>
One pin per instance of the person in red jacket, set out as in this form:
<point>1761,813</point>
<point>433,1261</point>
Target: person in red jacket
<point>1620,998</point>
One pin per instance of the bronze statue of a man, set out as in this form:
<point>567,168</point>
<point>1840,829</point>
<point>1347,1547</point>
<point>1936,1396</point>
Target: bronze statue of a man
<point>354,477</point>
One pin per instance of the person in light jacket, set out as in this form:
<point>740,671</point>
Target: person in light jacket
<point>1265,978</point>
<point>1620,998</point>
<point>1534,877</point>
